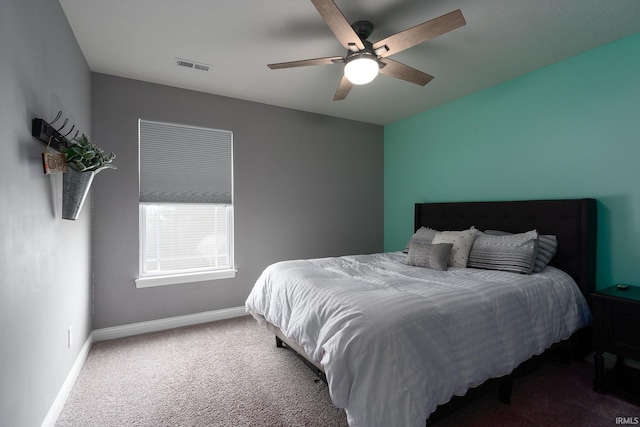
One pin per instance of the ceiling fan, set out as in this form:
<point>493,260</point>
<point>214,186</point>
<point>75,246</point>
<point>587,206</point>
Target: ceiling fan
<point>364,59</point>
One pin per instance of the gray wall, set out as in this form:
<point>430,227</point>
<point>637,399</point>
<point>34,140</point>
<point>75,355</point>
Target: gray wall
<point>44,260</point>
<point>305,186</point>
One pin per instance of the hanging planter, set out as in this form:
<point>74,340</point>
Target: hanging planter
<point>75,188</point>
<point>85,160</point>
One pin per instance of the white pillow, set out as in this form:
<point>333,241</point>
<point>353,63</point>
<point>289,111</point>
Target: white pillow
<point>462,242</point>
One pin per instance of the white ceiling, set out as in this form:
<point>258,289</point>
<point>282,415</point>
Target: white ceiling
<point>503,39</point>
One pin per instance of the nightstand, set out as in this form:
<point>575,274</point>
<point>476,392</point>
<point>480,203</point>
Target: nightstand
<point>616,328</point>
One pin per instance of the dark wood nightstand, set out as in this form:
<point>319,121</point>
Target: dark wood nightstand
<point>616,328</point>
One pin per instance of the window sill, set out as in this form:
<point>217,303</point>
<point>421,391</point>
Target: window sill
<point>176,279</point>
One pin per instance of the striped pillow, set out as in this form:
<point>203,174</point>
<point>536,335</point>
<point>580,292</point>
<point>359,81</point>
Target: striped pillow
<point>547,248</point>
<point>513,252</point>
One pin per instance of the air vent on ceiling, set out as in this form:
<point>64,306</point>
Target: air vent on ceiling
<point>192,64</point>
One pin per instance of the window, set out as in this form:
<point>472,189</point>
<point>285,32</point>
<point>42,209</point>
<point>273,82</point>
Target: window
<point>186,209</point>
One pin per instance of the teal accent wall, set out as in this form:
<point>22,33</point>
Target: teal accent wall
<point>569,130</point>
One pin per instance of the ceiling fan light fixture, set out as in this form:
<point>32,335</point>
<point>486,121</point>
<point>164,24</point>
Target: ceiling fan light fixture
<point>361,69</point>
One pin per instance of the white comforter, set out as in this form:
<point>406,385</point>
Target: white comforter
<point>396,341</point>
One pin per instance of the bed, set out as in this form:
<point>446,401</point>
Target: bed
<point>396,342</point>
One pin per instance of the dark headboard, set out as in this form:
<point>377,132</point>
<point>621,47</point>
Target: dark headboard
<point>572,221</point>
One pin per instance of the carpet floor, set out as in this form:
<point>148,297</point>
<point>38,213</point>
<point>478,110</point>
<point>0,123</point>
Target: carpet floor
<point>230,373</point>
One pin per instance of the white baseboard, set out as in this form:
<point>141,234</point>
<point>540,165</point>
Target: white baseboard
<point>125,331</point>
<point>65,390</point>
<point>168,323</point>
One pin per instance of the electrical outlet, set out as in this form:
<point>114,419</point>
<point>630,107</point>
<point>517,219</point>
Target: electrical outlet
<point>69,337</point>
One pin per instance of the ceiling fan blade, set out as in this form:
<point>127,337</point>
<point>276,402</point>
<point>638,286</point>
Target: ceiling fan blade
<point>404,72</point>
<point>338,24</point>
<point>307,62</point>
<point>420,33</point>
<point>343,89</point>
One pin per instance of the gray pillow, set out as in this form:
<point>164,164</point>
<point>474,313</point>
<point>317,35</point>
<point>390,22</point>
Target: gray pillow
<point>512,252</point>
<point>424,234</point>
<point>424,254</point>
<point>547,248</point>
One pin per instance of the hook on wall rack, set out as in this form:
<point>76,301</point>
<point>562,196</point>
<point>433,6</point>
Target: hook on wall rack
<point>47,134</point>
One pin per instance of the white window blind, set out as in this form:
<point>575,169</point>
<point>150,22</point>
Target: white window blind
<point>186,195</point>
<point>185,164</point>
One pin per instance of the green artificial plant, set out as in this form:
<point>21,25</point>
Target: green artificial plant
<point>82,156</point>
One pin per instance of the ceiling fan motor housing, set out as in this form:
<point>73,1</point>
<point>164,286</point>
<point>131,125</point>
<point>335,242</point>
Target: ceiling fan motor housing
<point>368,50</point>
<point>363,29</point>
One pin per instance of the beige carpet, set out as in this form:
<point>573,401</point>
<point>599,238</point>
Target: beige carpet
<point>227,373</point>
<point>230,373</point>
